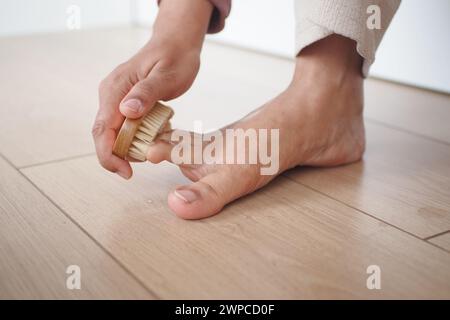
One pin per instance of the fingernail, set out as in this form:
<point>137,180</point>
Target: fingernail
<point>123,175</point>
<point>186,195</point>
<point>134,105</point>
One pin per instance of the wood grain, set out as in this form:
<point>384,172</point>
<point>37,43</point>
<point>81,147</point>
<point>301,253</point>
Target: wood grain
<point>38,243</point>
<point>58,80</point>
<point>49,91</point>
<point>402,180</point>
<point>285,241</point>
<point>416,110</point>
<point>442,241</point>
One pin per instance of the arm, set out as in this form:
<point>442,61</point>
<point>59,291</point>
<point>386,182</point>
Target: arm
<point>163,69</point>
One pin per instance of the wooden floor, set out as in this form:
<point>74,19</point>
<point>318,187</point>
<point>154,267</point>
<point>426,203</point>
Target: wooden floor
<point>311,233</point>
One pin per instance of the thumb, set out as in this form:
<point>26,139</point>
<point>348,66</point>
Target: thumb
<point>142,97</point>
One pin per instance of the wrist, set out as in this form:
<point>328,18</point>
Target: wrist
<point>183,23</point>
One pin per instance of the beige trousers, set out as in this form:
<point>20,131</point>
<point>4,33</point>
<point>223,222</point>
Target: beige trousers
<point>364,21</point>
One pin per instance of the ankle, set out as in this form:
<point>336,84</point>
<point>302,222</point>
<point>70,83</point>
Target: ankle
<point>333,61</point>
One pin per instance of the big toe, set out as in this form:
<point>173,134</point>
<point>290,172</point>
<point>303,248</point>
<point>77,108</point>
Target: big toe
<point>205,197</point>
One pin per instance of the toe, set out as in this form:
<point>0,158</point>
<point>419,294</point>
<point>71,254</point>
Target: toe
<point>159,151</point>
<point>161,148</point>
<point>203,198</point>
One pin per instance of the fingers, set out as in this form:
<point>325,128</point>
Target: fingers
<point>109,120</point>
<point>144,94</point>
<point>104,140</point>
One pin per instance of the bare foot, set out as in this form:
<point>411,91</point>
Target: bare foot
<point>319,117</point>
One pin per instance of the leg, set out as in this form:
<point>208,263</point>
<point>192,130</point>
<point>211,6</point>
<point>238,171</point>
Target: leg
<point>364,21</point>
<point>319,115</point>
<point>320,120</point>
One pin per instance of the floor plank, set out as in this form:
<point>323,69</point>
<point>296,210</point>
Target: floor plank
<point>442,241</point>
<point>38,243</point>
<point>276,243</point>
<point>420,111</point>
<point>403,180</point>
<point>285,241</point>
<point>60,78</point>
<point>49,91</point>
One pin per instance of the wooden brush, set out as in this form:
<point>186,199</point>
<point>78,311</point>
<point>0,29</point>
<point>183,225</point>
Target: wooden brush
<point>135,135</point>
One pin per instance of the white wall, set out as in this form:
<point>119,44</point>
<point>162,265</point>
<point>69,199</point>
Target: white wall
<point>144,12</point>
<point>37,16</point>
<point>270,28</point>
<point>261,24</point>
<point>415,49</point>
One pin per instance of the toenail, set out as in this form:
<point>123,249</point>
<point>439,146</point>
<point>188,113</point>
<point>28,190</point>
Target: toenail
<point>186,195</point>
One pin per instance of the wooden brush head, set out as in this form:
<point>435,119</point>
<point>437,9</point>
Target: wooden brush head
<point>135,135</point>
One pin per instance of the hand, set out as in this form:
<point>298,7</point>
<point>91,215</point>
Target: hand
<point>162,70</point>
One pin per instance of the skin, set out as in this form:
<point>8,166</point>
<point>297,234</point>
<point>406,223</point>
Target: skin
<point>162,70</point>
<point>319,114</point>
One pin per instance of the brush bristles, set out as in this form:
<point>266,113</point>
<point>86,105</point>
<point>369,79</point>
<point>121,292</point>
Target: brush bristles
<point>154,123</point>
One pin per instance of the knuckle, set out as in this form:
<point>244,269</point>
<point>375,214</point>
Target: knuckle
<point>143,69</point>
<point>117,77</point>
<point>169,76</point>
<point>120,71</point>
<point>105,161</point>
<point>167,62</point>
<point>121,67</point>
<point>105,164</point>
<point>103,85</point>
<point>144,90</point>
<point>167,73</point>
<point>98,128</point>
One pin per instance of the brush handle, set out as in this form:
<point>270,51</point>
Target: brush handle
<point>128,131</point>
